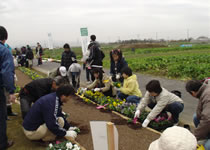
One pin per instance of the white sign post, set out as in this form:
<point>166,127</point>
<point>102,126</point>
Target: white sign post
<point>50,41</point>
<point>104,135</point>
<point>84,35</point>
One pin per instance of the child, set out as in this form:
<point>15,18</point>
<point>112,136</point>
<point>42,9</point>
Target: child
<point>130,90</point>
<point>60,71</point>
<point>159,99</point>
<point>117,64</point>
<point>74,73</point>
<point>102,83</point>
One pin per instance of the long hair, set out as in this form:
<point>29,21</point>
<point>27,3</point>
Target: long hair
<point>100,71</point>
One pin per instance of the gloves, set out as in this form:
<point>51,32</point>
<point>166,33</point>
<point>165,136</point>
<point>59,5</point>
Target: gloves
<point>145,123</point>
<point>137,114</point>
<point>71,134</point>
<point>118,76</point>
<point>83,90</point>
<point>97,89</point>
<point>72,128</point>
<point>116,89</point>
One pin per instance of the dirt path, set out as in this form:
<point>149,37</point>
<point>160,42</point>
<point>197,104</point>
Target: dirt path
<point>129,139</point>
<point>22,78</point>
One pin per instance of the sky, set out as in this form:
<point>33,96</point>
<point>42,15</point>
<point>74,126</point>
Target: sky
<point>30,21</point>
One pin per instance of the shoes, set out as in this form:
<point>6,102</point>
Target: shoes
<point>10,143</point>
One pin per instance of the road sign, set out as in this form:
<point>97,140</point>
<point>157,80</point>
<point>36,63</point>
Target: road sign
<point>84,31</point>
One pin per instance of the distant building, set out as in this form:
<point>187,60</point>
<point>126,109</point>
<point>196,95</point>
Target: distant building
<point>201,39</point>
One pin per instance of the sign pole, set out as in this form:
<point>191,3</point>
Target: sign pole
<point>110,136</point>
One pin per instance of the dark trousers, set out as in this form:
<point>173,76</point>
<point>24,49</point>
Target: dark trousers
<point>25,104</point>
<point>87,74</point>
<point>3,124</point>
<point>174,108</point>
<point>75,79</point>
<point>129,98</point>
<point>40,60</point>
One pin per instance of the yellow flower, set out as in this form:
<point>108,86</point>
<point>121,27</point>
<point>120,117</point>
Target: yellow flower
<point>121,102</point>
<point>114,104</point>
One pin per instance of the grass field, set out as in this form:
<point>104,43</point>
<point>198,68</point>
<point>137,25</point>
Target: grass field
<point>172,61</point>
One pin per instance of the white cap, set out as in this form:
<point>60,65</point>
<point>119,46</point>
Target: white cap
<point>175,138</point>
<point>62,71</point>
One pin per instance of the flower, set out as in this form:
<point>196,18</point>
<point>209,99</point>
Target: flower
<point>50,145</point>
<point>69,145</point>
<point>114,104</point>
<point>57,142</point>
<point>76,147</point>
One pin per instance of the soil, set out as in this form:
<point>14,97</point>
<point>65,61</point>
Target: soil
<point>131,137</point>
<point>22,78</point>
<point>141,46</point>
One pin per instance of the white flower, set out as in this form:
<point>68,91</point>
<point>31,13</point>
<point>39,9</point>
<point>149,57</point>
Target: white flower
<point>76,147</point>
<point>50,145</point>
<point>69,145</point>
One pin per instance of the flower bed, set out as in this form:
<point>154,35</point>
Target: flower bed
<point>32,74</point>
<point>122,107</point>
<point>66,145</point>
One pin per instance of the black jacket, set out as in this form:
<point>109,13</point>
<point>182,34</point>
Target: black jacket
<point>29,54</point>
<point>37,88</point>
<point>116,68</point>
<point>40,51</point>
<point>96,55</point>
<point>66,59</point>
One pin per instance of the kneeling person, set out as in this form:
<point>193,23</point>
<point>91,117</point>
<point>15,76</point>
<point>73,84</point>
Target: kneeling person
<point>159,99</point>
<point>45,119</point>
<point>130,90</point>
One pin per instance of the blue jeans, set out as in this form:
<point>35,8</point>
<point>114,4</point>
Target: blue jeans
<point>3,124</point>
<point>129,98</point>
<point>174,108</point>
<point>196,123</point>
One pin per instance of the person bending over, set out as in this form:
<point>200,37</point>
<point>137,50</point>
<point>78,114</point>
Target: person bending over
<point>45,119</point>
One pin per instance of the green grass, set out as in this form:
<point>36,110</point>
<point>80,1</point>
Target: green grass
<point>15,132</point>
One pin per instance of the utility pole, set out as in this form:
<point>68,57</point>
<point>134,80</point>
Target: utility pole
<point>156,36</point>
<point>187,34</point>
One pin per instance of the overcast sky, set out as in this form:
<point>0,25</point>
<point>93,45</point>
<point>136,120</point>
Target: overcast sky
<point>29,21</point>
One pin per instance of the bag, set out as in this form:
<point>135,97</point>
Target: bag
<point>37,55</point>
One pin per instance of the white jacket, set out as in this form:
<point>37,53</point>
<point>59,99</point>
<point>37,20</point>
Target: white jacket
<point>163,99</point>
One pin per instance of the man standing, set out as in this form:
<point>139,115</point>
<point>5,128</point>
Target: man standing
<point>202,117</point>
<point>29,57</point>
<point>95,59</point>
<point>68,56</point>
<point>45,119</point>
<point>39,53</point>
<point>6,82</point>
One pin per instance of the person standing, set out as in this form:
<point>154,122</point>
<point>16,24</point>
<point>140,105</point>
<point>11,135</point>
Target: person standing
<point>68,56</point>
<point>96,56</point>
<point>201,118</point>
<point>29,56</point>
<point>39,53</point>
<point>6,82</point>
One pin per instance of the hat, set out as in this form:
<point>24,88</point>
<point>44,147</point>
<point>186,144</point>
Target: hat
<point>62,71</point>
<point>175,138</point>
